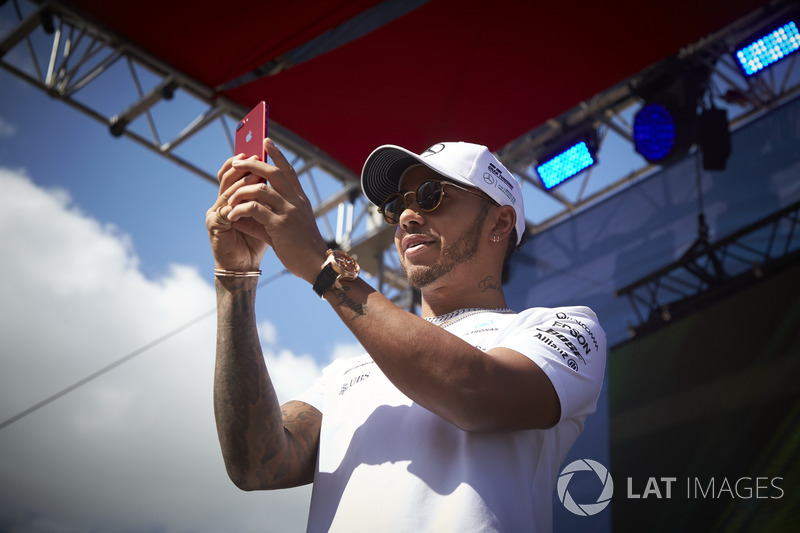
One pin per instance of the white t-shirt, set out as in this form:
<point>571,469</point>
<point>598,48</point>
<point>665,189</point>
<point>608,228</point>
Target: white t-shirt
<point>387,464</point>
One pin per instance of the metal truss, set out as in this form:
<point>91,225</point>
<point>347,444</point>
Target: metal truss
<point>73,58</point>
<point>709,270</point>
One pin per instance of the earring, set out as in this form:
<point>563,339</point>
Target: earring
<point>495,238</point>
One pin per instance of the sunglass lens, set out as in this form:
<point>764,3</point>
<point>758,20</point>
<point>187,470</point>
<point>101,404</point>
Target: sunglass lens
<point>429,194</point>
<point>392,209</point>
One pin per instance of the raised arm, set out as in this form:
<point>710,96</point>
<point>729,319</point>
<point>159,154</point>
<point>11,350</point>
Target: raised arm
<point>264,445</point>
<point>497,390</point>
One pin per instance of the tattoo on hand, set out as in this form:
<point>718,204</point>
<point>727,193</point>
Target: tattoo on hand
<point>345,300</point>
<point>488,283</point>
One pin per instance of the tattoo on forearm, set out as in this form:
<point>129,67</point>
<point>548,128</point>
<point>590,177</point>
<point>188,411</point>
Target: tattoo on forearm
<point>242,390</point>
<point>488,283</point>
<point>264,445</point>
<point>345,300</point>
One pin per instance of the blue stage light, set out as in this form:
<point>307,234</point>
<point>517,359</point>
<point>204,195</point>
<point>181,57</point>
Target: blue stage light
<point>760,53</point>
<point>654,132</point>
<point>563,164</point>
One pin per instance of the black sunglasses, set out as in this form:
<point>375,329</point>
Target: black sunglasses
<point>428,196</point>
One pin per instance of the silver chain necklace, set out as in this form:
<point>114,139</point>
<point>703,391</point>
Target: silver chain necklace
<point>442,320</point>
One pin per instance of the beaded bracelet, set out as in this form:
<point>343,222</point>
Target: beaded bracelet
<point>219,272</point>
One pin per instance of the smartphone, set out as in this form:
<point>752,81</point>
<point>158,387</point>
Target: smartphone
<point>251,132</point>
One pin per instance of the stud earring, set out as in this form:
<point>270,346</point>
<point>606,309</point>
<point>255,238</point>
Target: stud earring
<point>495,238</point>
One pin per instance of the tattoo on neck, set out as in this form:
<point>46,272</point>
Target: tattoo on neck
<point>345,300</point>
<point>488,283</point>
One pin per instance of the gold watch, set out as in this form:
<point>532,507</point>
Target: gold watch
<point>338,265</point>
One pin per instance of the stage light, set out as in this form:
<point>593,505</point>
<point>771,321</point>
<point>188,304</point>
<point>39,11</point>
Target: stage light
<point>654,131</point>
<point>663,132</point>
<point>567,161</point>
<point>665,127</point>
<point>759,53</point>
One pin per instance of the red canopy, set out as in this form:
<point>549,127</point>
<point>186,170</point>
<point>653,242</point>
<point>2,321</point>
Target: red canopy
<point>448,70</point>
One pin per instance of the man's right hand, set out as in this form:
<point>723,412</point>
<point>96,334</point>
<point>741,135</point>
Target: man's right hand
<point>236,245</point>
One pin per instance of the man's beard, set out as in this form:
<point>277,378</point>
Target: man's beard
<point>462,250</point>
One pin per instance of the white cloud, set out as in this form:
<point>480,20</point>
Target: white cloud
<point>134,449</point>
<point>7,129</point>
<point>267,332</point>
<point>290,373</point>
<point>343,351</point>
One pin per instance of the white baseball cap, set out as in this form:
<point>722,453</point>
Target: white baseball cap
<point>466,163</point>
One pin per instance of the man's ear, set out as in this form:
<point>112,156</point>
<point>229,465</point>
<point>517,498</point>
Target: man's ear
<point>504,221</point>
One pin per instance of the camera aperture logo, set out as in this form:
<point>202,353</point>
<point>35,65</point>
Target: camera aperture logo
<point>585,509</point>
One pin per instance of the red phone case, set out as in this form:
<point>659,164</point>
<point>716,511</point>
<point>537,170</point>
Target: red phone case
<point>251,132</point>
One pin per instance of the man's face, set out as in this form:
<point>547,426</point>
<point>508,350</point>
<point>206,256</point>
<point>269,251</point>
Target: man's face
<point>430,245</point>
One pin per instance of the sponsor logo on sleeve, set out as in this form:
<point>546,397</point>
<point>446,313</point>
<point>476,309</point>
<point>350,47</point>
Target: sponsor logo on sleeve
<point>564,316</point>
<point>547,340</point>
<point>570,338</point>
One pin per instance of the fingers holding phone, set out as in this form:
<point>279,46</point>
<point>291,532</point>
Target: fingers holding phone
<point>240,244</point>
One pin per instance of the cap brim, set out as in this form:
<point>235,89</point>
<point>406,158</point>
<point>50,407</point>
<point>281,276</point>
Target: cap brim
<point>383,170</point>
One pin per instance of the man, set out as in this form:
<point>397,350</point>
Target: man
<point>457,420</point>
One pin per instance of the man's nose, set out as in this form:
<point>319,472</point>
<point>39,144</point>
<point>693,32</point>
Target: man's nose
<point>410,215</point>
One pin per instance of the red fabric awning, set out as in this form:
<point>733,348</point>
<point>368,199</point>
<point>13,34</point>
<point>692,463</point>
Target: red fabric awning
<point>449,70</point>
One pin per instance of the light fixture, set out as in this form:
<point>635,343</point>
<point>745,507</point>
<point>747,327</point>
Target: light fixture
<point>663,131</point>
<point>568,160</point>
<point>759,52</point>
<point>665,127</point>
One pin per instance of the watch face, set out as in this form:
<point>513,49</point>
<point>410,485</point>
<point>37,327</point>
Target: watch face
<point>346,263</point>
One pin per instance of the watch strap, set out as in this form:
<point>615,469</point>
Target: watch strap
<point>325,280</point>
